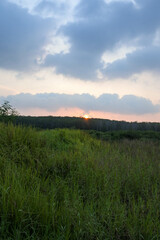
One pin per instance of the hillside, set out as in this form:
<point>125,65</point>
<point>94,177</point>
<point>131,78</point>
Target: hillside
<point>65,184</point>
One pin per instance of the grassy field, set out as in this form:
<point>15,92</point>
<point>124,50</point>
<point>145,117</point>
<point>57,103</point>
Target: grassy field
<point>125,134</point>
<point>65,184</point>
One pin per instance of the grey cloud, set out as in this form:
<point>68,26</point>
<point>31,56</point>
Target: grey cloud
<point>146,59</point>
<point>100,27</point>
<point>128,104</point>
<point>97,27</point>
<point>51,8</point>
<point>51,102</point>
<point>22,37</point>
<point>75,64</point>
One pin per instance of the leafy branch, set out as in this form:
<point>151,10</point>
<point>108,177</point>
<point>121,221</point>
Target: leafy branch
<point>6,109</point>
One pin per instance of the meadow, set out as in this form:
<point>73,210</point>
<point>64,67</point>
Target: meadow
<point>65,184</point>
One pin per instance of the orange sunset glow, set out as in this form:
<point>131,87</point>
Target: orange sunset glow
<point>86,116</point>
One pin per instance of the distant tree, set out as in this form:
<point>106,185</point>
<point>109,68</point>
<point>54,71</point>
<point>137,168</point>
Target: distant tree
<point>6,110</point>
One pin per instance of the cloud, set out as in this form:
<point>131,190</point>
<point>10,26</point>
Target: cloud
<point>101,27</point>
<point>22,37</point>
<point>51,102</point>
<point>146,59</point>
<point>51,8</point>
<point>91,27</point>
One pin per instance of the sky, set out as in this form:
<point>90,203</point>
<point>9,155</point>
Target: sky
<point>78,57</point>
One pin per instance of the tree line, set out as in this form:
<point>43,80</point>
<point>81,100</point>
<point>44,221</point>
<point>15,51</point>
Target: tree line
<point>10,114</point>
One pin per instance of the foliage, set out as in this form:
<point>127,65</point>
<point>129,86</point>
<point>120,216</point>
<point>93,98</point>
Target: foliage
<point>64,184</point>
<point>103,125</point>
<point>119,135</point>
<point>7,110</point>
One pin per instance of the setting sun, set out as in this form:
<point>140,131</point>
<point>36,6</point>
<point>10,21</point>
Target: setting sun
<point>86,116</point>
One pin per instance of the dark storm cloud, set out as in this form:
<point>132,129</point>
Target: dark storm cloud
<point>100,27</point>
<point>128,104</point>
<point>22,37</point>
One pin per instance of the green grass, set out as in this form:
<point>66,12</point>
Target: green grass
<point>124,134</point>
<point>64,184</point>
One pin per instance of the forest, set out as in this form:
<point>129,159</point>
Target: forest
<point>50,122</point>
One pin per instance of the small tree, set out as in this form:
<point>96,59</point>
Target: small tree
<point>7,110</point>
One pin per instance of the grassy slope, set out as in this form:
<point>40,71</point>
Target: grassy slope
<point>63,184</point>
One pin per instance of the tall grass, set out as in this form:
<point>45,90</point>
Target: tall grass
<point>63,184</point>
